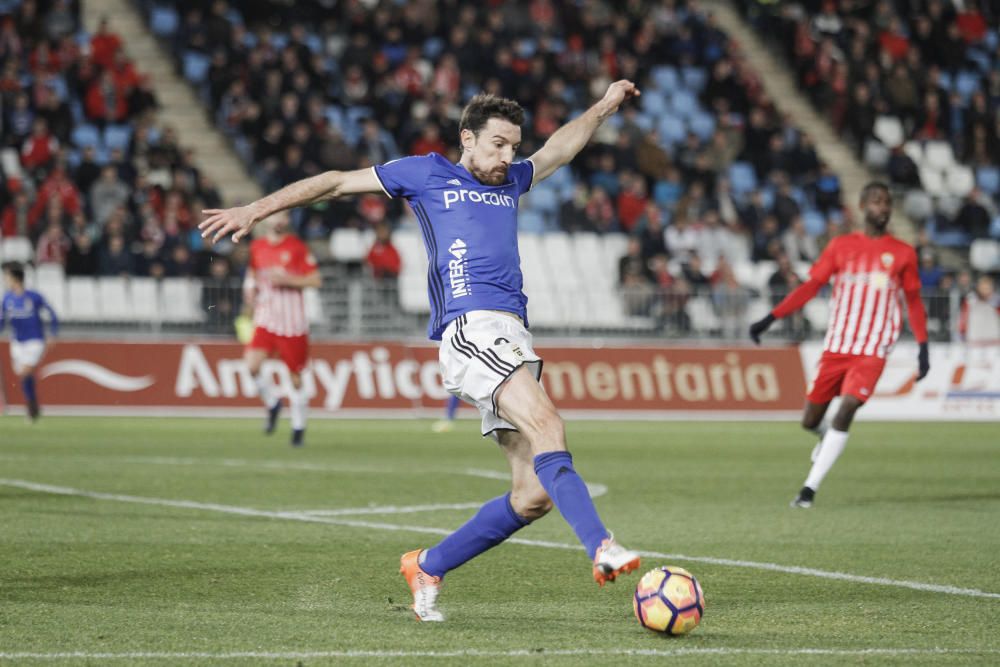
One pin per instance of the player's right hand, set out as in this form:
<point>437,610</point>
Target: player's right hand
<point>760,326</point>
<point>239,220</point>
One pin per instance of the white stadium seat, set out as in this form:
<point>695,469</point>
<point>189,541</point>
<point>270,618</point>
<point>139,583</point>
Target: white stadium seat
<point>933,181</point>
<point>984,255</point>
<point>918,205</point>
<point>81,299</point>
<point>960,180</point>
<point>144,295</point>
<point>702,314</point>
<point>113,298</point>
<point>181,300</point>
<point>817,312</point>
<point>938,155</point>
<point>889,130</point>
<point>313,304</point>
<point>915,151</point>
<point>347,245</point>
<point>16,249</point>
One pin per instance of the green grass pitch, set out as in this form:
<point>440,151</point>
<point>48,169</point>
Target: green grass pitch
<point>201,541</point>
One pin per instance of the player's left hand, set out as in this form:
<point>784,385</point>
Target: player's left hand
<point>279,277</point>
<point>239,221</point>
<point>618,92</point>
<point>923,362</point>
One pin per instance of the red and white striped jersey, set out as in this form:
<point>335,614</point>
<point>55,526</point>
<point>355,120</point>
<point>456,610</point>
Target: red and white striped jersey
<point>280,310</point>
<point>870,276</point>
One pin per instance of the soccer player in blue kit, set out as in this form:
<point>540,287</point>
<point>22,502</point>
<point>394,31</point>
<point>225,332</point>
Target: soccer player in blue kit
<point>468,215</point>
<point>23,309</point>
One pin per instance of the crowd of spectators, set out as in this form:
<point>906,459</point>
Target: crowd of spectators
<point>704,169</point>
<point>932,64</point>
<point>90,177</point>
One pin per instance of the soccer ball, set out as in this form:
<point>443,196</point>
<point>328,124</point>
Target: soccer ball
<point>669,599</point>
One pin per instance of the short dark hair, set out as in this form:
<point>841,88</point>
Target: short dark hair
<point>484,106</point>
<point>872,186</point>
<point>16,270</point>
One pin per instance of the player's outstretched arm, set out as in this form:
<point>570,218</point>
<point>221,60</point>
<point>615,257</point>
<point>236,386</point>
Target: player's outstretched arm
<point>241,220</point>
<point>570,139</point>
<point>798,297</point>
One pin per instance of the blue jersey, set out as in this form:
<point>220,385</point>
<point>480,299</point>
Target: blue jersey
<point>24,312</point>
<point>470,232</point>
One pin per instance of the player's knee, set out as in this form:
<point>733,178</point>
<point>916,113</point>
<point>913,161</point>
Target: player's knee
<point>531,503</point>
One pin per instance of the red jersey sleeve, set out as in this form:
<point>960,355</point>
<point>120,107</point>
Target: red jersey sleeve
<point>824,267</point>
<point>819,275</point>
<point>303,263</point>
<point>910,278</point>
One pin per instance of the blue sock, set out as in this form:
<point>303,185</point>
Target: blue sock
<point>493,523</point>
<point>28,386</point>
<point>452,407</point>
<point>566,489</point>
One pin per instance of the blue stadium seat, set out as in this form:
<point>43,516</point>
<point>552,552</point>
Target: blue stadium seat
<point>742,178</point>
<point>995,228</point>
<point>672,130</point>
<point>945,80</point>
<point>703,125</point>
<point>684,103</point>
<point>653,102</point>
<point>644,121</point>
<point>433,48</point>
<point>814,222</point>
<point>966,84</point>
<point>988,180</point>
<point>694,78</point>
<point>530,221</point>
<point>543,198</point>
<point>118,136</point>
<point>163,20</point>
<point>279,40</point>
<point>195,66</point>
<point>665,78</point>
<point>85,135</point>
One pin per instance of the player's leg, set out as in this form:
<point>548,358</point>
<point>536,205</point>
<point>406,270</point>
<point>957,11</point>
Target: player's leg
<point>858,384</point>
<point>294,351</point>
<point>813,418</point>
<point>522,402</point>
<point>446,424</point>
<point>254,356</point>
<point>25,357</point>
<point>495,521</point>
<point>824,387</point>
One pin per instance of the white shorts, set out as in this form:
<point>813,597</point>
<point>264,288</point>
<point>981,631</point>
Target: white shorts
<point>26,353</point>
<point>479,351</point>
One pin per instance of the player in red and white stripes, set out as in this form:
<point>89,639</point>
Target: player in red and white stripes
<point>872,272</point>
<point>281,266</point>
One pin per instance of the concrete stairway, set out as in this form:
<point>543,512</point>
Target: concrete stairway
<point>180,106</point>
<point>782,89</point>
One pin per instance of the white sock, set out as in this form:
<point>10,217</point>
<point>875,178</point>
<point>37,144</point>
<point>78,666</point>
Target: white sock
<point>297,408</point>
<point>830,448</point>
<point>821,429</point>
<point>265,390</point>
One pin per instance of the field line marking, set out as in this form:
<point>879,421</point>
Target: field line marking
<point>299,516</point>
<point>390,509</point>
<point>476,653</point>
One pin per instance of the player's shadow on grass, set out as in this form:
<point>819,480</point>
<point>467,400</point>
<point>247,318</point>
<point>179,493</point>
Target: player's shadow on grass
<point>146,583</point>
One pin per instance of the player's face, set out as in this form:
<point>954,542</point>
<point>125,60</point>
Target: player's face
<point>877,208</point>
<point>489,154</point>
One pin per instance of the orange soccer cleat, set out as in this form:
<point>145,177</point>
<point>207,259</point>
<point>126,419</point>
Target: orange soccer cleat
<point>613,559</point>
<point>425,587</point>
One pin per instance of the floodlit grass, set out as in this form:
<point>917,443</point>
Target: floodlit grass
<point>113,575</point>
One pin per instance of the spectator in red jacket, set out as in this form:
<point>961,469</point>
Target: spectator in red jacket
<point>107,100</point>
<point>40,146</point>
<point>57,186</point>
<point>104,44</point>
<point>383,258</point>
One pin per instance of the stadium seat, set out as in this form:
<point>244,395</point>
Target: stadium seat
<point>542,198</point>
<point>960,180</point>
<point>966,83</point>
<point>615,246</point>
<point>694,78</point>
<point>51,282</point>
<point>113,298</point>
<point>117,136</point>
<point>144,295</point>
<point>876,155</point>
<point>702,314</point>
<point>702,124</point>
<point>16,249</point>
<point>758,309</point>
<point>889,130</point>
<point>918,205</point>
<point>817,312</point>
<point>195,66</point>
<point>915,151</point>
<point>653,102</point>
<point>531,222</point>
<point>995,228</point>
<point>163,21</point>
<point>665,78</point>
<point>948,206</point>
<point>932,181</point>
<point>742,178</point>
<point>10,163</point>
<point>85,135</point>
<point>814,221</point>
<point>181,300</point>
<point>988,180</point>
<point>589,253</point>
<point>684,103</point>
<point>313,305</point>
<point>938,155</point>
<point>347,245</point>
<point>81,299</point>
<point>671,129</point>
<point>984,255</point>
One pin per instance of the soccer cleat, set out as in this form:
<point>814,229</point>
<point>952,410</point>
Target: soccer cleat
<point>804,499</point>
<point>272,418</point>
<point>298,437</point>
<point>442,426</point>
<point>613,559</point>
<point>425,588</point>
<point>33,411</point>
